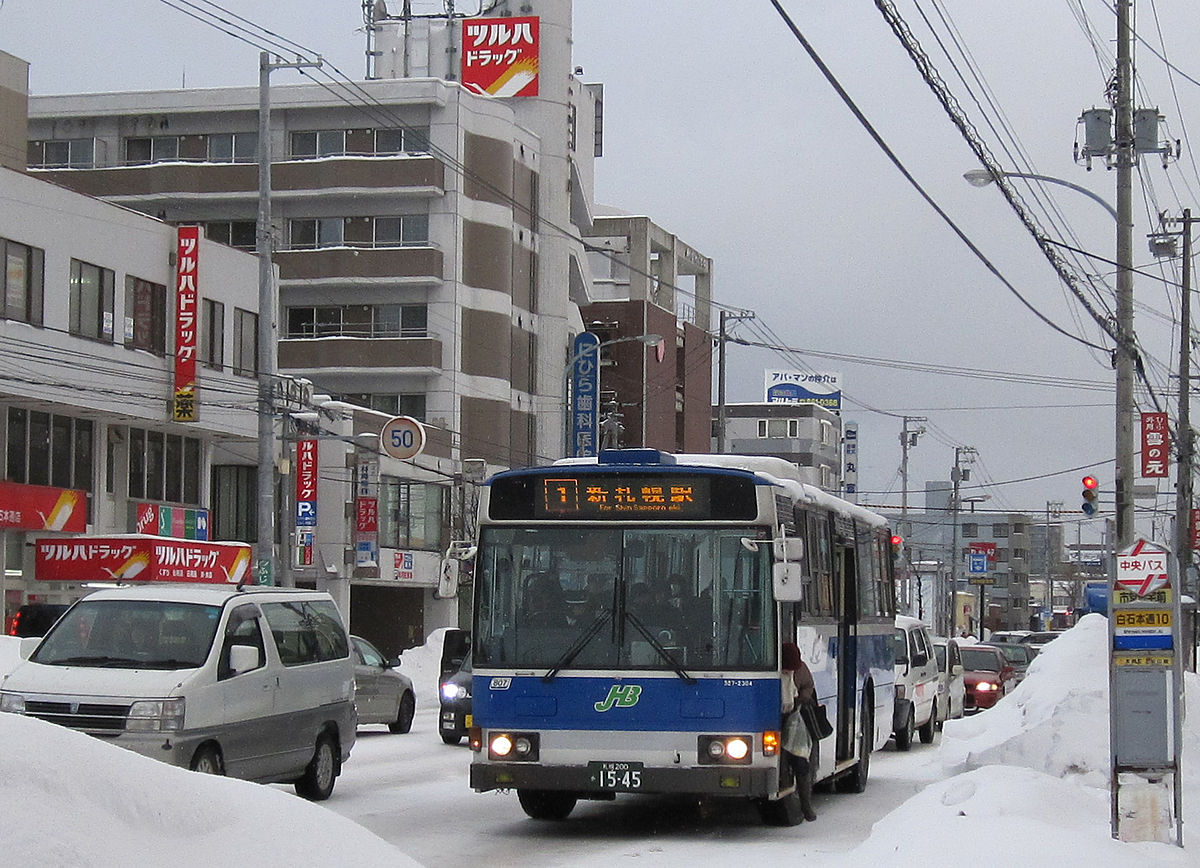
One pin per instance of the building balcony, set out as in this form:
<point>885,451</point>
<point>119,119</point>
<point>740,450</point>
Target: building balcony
<point>351,354</point>
<point>423,264</point>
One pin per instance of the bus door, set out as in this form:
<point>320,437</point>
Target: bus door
<point>845,577</point>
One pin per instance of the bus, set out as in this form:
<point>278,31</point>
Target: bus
<point>628,616</point>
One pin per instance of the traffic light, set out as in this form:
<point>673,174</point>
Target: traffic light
<point>897,547</point>
<point>1090,491</point>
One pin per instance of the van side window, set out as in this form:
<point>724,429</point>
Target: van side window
<point>242,629</point>
<point>308,631</point>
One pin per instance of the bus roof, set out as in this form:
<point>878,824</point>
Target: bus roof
<point>768,470</point>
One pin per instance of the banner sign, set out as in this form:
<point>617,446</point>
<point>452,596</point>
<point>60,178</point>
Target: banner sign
<point>1195,529</point>
<point>41,507</point>
<point>187,264</point>
<point>1156,444</point>
<point>138,558</point>
<point>984,548</point>
<point>850,461</point>
<point>175,521</point>
<point>366,514</point>
<point>500,56</point>
<point>585,396</point>
<point>798,387</point>
<point>306,483</point>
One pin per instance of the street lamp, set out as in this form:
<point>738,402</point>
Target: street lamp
<point>983,177</point>
<point>650,340</point>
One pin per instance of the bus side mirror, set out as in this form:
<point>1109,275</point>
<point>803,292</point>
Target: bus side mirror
<point>786,577</point>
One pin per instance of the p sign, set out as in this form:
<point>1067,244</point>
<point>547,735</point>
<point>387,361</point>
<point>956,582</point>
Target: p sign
<point>402,437</point>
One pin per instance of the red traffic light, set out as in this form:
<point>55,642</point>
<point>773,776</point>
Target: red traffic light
<point>1090,483</point>
<point>897,539</point>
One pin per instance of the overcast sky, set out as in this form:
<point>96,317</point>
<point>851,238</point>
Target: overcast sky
<point>720,127</point>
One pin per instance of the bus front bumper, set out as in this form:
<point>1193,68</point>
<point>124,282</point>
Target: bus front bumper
<point>715,780</point>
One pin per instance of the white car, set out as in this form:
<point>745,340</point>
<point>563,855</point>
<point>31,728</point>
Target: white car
<point>915,708</point>
<point>951,688</point>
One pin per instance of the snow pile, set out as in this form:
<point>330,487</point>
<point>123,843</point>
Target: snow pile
<point>423,665</point>
<point>1007,816</point>
<point>70,799</point>
<point>1055,721</point>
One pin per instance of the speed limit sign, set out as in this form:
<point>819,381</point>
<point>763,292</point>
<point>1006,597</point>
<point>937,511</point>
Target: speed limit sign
<point>402,437</point>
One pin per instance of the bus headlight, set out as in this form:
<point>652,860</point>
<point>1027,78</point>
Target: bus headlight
<point>724,750</point>
<point>513,746</point>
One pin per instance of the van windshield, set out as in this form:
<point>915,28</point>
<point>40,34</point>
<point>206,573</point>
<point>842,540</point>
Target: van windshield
<point>131,634</point>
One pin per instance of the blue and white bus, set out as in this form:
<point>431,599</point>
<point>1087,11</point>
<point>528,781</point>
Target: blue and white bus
<point>628,617</point>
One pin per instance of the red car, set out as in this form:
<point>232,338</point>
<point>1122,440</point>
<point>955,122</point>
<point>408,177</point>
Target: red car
<point>987,676</point>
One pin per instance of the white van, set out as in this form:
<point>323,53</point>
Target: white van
<point>255,683</point>
<point>916,683</point>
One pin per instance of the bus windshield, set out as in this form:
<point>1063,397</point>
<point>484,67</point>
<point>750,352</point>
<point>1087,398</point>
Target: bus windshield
<point>652,598</point>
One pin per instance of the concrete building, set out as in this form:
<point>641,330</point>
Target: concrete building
<point>807,435</point>
<point>88,354</point>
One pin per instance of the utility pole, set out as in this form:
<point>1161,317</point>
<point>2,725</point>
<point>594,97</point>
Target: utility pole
<point>722,337</point>
<point>1053,509</point>
<point>1125,156</point>
<point>907,439</point>
<point>943,606</point>
<point>268,326</point>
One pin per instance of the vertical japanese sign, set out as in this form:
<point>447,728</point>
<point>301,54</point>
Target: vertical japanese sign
<point>500,56</point>
<point>366,514</point>
<point>1195,527</point>
<point>187,268</point>
<point>850,461</point>
<point>1156,444</point>
<point>585,396</point>
<point>306,483</point>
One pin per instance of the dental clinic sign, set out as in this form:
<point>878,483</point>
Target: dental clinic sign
<point>800,387</point>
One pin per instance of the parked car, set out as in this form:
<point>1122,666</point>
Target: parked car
<point>1018,654</point>
<point>1008,636</point>
<point>986,675</point>
<point>952,688</point>
<point>381,694</point>
<point>916,683</point>
<point>255,682</point>
<point>455,694</point>
<point>35,619</point>
<point>1038,641</point>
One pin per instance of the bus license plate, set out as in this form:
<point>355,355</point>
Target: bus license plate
<point>623,777</point>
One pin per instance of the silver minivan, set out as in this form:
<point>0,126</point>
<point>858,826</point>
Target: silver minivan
<point>915,709</point>
<point>256,683</point>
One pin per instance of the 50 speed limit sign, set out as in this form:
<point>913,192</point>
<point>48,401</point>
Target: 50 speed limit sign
<point>402,437</point>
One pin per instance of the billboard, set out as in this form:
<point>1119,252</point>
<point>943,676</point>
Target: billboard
<point>584,426</point>
<point>306,483</point>
<point>138,558</point>
<point>42,507</point>
<point>799,387</point>
<point>500,56</point>
<point>187,268</point>
<point>1156,445</point>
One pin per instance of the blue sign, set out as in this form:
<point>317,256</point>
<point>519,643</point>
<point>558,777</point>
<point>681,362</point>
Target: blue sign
<point>978,562</point>
<point>306,513</point>
<point>584,426</point>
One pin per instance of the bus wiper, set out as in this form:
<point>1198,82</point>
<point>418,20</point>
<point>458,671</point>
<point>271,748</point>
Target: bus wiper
<point>659,647</point>
<point>571,653</point>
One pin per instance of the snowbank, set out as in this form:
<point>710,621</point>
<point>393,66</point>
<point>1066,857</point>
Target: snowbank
<point>423,665</point>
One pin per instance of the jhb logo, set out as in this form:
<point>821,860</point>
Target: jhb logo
<point>620,696</point>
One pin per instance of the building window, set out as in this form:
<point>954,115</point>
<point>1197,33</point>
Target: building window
<point>360,320</point>
<point>151,149</point>
<point>762,427</point>
<point>411,514</point>
<point>410,140</point>
<point>233,514</point>
<point>311,233</point>
<point>1001,555</point>
<point>826,433</point>
<point>21,279</point>
<point>396,405</point>
<point>245,343</point>
<point>92,301</point>
<point>212,334</point>
<point>322,143</point>
<point>45,449</point>
<point>1019,528</point>
<point>1020,554</point>
<point>232,147</point>
<point>145,315</point>
<point>63,154</point>
<point>164,467</point>
<point>1000,530</point>
<point>411,230</point>
<point>242,234</point>
<point>970,530</point>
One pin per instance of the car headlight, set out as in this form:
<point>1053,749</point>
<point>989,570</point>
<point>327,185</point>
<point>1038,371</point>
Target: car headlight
<point>156,715</point>
<point>12,702</point>
<point>987,686</point>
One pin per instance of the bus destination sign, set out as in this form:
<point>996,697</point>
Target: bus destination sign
<point>614,497</point>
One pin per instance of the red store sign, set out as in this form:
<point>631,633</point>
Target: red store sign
<point>1156,445</point>
<point>500,56</point>
<point>40,507</point>
<point>186,292</point>
<point>138,558</point>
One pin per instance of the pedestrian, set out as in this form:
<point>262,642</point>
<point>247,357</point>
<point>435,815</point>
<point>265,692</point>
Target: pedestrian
<point>798,690</point>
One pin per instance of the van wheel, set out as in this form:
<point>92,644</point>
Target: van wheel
<point>904,735</point>
<point>207,761</point>
<point>546,804</point>
<point>927,730</point>
<point>404,717</point>
<point>322,771</point>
